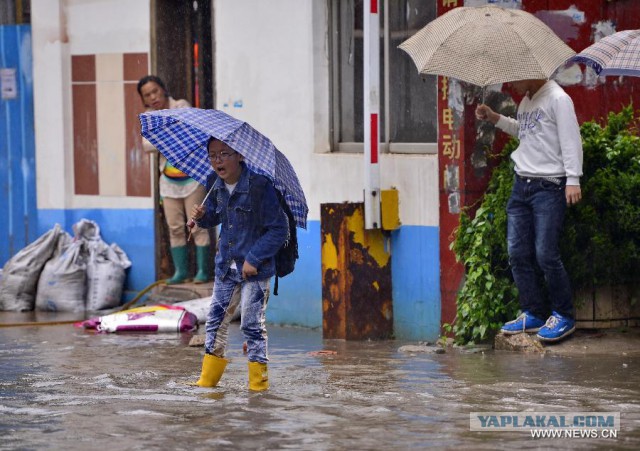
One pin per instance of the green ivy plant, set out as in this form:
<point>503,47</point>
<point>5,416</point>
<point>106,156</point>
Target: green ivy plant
<point>601,240</point>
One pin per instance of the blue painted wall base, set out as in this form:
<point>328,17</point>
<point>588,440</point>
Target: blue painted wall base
<point>299,301</point>
<point>414,260</point>
<point>415,274</point>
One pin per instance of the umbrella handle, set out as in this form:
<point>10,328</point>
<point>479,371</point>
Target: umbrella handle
<point>191,223</point>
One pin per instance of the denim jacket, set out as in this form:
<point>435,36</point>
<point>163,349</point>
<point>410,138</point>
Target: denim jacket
<point>253,224</point>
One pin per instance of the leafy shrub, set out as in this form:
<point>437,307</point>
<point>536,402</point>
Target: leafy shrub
<point>601,238</point>
<point>601,244</point>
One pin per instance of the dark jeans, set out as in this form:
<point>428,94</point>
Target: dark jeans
<point>535,214</point>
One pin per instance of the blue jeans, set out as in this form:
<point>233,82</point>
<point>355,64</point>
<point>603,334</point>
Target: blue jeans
<point>229,293</point>
<point>535,213</point>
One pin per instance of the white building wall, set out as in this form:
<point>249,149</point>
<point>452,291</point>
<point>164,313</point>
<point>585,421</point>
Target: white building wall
<point>62,28</point>
<point>272,70</point>
<point>108,26</point>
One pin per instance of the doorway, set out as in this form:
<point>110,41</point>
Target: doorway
<point>181,55</point>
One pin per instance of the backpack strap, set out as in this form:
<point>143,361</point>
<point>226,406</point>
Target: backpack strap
<point>275,287</point>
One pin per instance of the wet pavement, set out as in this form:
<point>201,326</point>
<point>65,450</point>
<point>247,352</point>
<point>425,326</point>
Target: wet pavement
<point>62,387</point>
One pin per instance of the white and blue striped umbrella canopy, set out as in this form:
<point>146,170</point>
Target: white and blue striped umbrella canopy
<point>182,134</point>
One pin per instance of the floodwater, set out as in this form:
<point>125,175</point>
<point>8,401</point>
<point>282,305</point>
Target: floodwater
<point>62,387</point>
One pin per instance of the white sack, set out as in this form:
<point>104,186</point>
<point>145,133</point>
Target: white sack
<point>106,273</point>
<point>62,284</point>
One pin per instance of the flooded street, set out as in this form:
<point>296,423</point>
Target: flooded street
<point>65,388</point>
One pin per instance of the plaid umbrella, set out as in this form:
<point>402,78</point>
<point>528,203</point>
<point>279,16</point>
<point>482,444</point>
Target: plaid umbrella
<point>181,135</point>
<point>487,45</point>
<point>616,54</point>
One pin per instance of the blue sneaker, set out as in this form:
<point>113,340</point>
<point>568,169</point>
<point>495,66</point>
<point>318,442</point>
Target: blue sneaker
<point>526,322</point>
<point>556,328</point>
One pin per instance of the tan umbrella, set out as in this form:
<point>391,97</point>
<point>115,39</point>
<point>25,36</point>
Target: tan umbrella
<point>487,45</point>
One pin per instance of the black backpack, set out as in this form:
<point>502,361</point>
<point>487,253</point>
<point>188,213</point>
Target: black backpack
<point>288,254</point>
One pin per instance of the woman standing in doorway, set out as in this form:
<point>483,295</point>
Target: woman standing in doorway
<point>178,191</point>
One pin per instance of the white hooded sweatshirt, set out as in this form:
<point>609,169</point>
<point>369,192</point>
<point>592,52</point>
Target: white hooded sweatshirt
<point>550,141</point>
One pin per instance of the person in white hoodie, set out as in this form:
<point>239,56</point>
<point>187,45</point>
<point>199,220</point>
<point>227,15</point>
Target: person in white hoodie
<point>548,166</point>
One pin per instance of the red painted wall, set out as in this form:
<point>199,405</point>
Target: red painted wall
<point>451,158</point>
<point>592,101</point>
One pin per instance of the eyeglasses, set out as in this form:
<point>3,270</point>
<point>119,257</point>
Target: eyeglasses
<point>222,156</point>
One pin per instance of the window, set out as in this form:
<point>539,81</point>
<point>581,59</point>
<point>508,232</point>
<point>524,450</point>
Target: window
<point>408,100</point>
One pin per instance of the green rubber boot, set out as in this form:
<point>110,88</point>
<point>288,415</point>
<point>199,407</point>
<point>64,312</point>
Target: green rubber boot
<point>202,257</point>
<point>179,256</point>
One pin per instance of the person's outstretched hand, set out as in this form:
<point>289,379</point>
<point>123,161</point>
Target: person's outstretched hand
<point>485,113</point>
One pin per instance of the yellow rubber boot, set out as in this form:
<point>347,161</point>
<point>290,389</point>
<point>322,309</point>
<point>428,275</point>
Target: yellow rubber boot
<point>212,369</point>
<point>258,376</point>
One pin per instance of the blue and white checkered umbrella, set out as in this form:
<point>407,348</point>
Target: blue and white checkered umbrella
<point>182,134</point>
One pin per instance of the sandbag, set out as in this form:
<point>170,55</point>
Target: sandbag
<point>157,318</point>
<point>86,229</point>
<point>106,273</point>
<point>62,284</point>
<point>106,267</point>
<point>21,273</point>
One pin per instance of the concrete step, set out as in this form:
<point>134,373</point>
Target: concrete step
<point>169,294</point>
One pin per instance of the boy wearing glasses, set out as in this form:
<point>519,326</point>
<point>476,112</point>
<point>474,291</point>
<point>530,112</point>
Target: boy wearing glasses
<point>253,228</point>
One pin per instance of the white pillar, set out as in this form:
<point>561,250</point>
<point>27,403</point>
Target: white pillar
<point>371,114</point>
<point>52,112</point>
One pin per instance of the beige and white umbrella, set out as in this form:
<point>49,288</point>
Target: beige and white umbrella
<point>487,45</point>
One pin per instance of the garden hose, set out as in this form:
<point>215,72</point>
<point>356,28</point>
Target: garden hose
<point>142,293</point>
<point>56,323</point>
